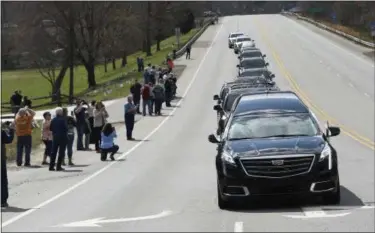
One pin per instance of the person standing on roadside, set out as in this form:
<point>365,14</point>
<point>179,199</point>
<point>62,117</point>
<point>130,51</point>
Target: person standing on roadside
<point>159,96</point>
<point>59,128</point>
<point>6,138</point>
<point>71,124</point>
<point>79,112</point>
<point>188,50</point>
<point>135,89</point>
<point>100,118</point>
<point>47,137</point>
<point>168,87</point>
<point>130,109</point>
<point>90,111</point>
<point>87,131</point>
<point>146,99</point>
<point>23,122</point>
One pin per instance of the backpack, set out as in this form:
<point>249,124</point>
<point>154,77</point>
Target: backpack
<point>146,92</point>
<point>158,92</point>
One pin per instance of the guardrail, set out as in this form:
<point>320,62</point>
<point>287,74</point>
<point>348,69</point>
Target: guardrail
<point>347,36</point>
<point>182,50</point>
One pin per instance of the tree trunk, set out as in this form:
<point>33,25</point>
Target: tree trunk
<point>90,68</point>
<point>105,65</point>
<point>148,33</point>
<point>158,44</point>
<point>56,94</point>
<point>124,61</point>
<point>114,63</point>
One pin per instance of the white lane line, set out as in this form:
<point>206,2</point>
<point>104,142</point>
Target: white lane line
<point>350,85</point>
<point>238,227</point>
<point>125,154</point>
<point>367,95</point>
<point>311,213</point>
<point>337,46</point>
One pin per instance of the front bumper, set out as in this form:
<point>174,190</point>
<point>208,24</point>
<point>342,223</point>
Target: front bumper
<point>313,183</point>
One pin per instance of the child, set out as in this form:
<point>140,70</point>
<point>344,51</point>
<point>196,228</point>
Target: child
<point>107,145</point>
<point>87,131</point>
<point>46,137</point>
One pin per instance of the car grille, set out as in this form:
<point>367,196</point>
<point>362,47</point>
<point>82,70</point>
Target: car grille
<point>272,167</point>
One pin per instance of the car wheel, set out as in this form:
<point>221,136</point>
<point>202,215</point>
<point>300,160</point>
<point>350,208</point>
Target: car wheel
<point>333,198</point>
<point>223,204</point>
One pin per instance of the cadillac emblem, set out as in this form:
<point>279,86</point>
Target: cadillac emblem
<point>277,162</point>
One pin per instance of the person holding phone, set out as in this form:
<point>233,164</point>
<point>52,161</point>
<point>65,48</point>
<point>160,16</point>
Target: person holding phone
<point>130,110</point>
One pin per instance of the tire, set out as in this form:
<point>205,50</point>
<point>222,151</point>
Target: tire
<point>223,204</point>
<point>333,198</point>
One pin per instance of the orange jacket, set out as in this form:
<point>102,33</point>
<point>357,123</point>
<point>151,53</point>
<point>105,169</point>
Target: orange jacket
<point>23,125</point>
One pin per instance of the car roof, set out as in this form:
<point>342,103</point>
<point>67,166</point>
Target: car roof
<point>251,51</point>
<point>279,101</point>
<point>236,33</point>
<point>254,69</point>
<point>251,89</point>
<point>252,58</point>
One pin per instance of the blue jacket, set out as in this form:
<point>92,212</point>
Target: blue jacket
<point>59,127</point>
<point>108,141</point>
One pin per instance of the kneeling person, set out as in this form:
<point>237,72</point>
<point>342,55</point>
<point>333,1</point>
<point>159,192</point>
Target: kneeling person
<point>107,143</point>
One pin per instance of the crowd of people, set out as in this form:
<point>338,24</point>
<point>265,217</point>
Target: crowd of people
<point>18,101</point>
<point>88,123</point>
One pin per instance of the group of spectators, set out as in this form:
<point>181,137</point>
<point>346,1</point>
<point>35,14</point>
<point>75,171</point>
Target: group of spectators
<point>87,122</point>
<point>18,101</point>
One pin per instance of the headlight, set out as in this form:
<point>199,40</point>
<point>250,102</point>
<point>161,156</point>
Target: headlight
<point>326,155</point>
<point>225,156</point>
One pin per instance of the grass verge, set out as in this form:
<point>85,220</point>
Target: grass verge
<point>11,149</point>
<point>33,84</point>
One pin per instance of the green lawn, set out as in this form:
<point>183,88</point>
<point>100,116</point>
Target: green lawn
<point>33,84</point>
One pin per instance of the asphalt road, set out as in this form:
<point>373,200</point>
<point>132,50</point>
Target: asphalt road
<point>172,169</point>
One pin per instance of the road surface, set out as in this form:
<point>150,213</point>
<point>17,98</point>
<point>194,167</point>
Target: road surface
<point>167,182</point>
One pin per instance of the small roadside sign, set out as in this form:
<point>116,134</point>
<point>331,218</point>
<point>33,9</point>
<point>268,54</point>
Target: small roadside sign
<point>372,28</point>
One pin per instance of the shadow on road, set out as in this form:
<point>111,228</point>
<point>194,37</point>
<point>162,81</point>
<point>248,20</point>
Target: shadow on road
<point>12,209</point>
<point>81,165</point>
<point>34,166</point>
<point>290,204</point>
<point>72,170</point>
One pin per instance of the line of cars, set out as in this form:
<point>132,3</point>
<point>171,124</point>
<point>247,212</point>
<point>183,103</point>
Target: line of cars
<point>269,143</point>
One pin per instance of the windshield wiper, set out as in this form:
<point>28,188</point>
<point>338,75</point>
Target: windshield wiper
<point>243,138</point>
<point>286,135</point>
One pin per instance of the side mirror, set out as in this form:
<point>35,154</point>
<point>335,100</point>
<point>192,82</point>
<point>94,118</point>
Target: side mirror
<point>238,66</point>
<point>333,131</point>
<point>239,57</point>
<point>217,108</point>
<point>272,75</point>
<point>212,139</point>
<point>267,64</point>
<point>264,55</point>
<point>216,97</point>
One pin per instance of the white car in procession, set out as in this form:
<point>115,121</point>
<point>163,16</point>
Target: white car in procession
<point>232,37</point>
<point>243,40</point>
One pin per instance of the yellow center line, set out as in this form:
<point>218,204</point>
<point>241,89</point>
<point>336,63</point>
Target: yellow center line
<point>296,88</point>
